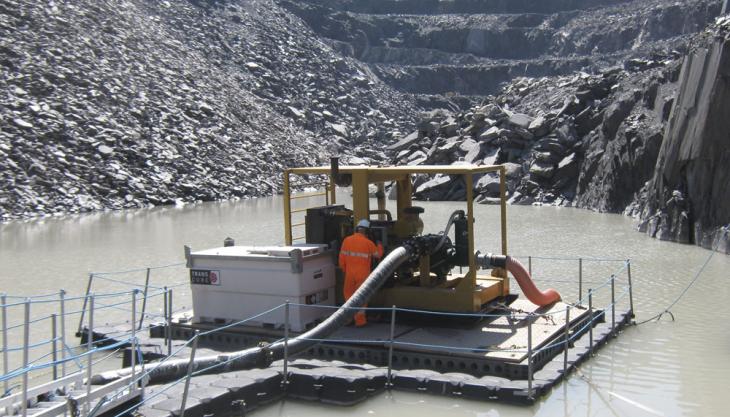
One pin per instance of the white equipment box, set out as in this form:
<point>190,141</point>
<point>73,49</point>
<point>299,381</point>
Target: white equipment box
<point>233,283</point>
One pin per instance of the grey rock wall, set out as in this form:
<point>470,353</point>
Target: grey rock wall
<point>471,47</point>
<point>585,140</point>
<point>688,198</point>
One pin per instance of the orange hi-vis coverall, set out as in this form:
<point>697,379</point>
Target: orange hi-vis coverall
<point>355,260</point>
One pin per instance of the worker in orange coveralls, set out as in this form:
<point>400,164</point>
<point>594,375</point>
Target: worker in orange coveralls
<point>355,261</point>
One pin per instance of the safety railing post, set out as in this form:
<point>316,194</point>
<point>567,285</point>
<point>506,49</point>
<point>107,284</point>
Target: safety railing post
<point>580,280</point>
<point>26,343</point>
<point>54,346</point>
<point>631,288</point>
<point>89,349</point>
<point>567,340</point>
<point>191,366</point>
<point>613,303</point>
<point>169,323</point>
<point>133,340</point>
<point>62,307</point>
<point>164,313</point>
<point>286,344</point>
<point>529,265</point>
<point>86,300</point>
<point>590,325</point>
<point>4,301</point>
<point>144,298</point>
<point>529,358</point>
<point>390,347</point>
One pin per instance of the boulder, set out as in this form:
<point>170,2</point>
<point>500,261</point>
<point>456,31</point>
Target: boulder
<point>339,129</point>
<point>105,150</point>
<point>434,189</point>
<point>542,170</point>
<point>488,185</point>
<point>22,123</point>
<point>550,144</point>
<point>615,115</point>
<point>539,126</point>
<point>520,120</point>
<point>571,106</point>
<point>406,142</point>
<point>492,111</point>
<point>449,129</point>
<point>566,171</point>
<point>490,134</point>
<point>475,153</point>
<point>416,158</point>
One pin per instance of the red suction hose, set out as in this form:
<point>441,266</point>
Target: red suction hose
<point>541,298</point>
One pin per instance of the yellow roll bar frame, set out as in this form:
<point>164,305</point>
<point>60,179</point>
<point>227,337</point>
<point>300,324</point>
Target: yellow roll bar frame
<point>363,176</point>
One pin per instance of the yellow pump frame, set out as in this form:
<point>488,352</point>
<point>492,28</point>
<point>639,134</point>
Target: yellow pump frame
<point>466,292</point>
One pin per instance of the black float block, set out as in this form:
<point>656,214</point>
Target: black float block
<point>546,378</point>
<point>157,330</point>
<point>447,384</point>
<point>152,398</point>
<point>269,383</point>
<point>193,406</point>
<point>244,392</point>
<point>512,392</point>
<point>484,388</point>
<point>413,379</point>
<point>357,366</point>
<point>213,399</point>
<point>376,380</point>
<point>314,363</point>
<point>343,386</point>
<point>306,384</point>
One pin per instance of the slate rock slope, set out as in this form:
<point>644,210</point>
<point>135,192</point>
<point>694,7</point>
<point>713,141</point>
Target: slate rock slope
<point>688,198</point>
<point>130,103</point>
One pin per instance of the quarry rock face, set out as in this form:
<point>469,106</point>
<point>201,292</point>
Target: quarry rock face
<point>586,140</point>
<point>649,139</point>
<point>472,47</point>
<point>688,198</point>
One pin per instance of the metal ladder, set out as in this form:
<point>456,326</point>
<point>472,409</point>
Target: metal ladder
<point>70,395</point>
<point>289,212</point>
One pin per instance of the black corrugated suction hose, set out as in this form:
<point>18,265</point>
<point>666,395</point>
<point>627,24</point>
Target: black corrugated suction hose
<point>261,356</point>
<point>345,314</point>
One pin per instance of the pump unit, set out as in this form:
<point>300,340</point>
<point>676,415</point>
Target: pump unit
<point>235,282</point>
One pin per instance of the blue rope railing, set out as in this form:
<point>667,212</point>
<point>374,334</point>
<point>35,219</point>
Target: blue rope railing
<point>117,344</point>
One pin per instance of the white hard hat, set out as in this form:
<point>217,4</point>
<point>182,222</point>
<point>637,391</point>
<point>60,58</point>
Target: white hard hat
<point>365,223</point>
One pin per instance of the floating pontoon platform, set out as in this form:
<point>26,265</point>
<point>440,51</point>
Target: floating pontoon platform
<point>481,360</point>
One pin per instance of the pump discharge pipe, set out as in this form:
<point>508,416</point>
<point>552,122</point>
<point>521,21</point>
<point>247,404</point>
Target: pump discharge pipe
<point>515,267</point>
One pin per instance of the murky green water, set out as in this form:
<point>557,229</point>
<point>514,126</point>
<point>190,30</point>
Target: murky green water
<point>665,368</point>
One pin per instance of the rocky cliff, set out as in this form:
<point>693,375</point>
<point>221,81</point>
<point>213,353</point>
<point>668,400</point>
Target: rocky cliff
<point>688,198</point>
<point>471,47</point>
<point>648,138</point>
<point>587,140</point>
<point>109,104</point>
